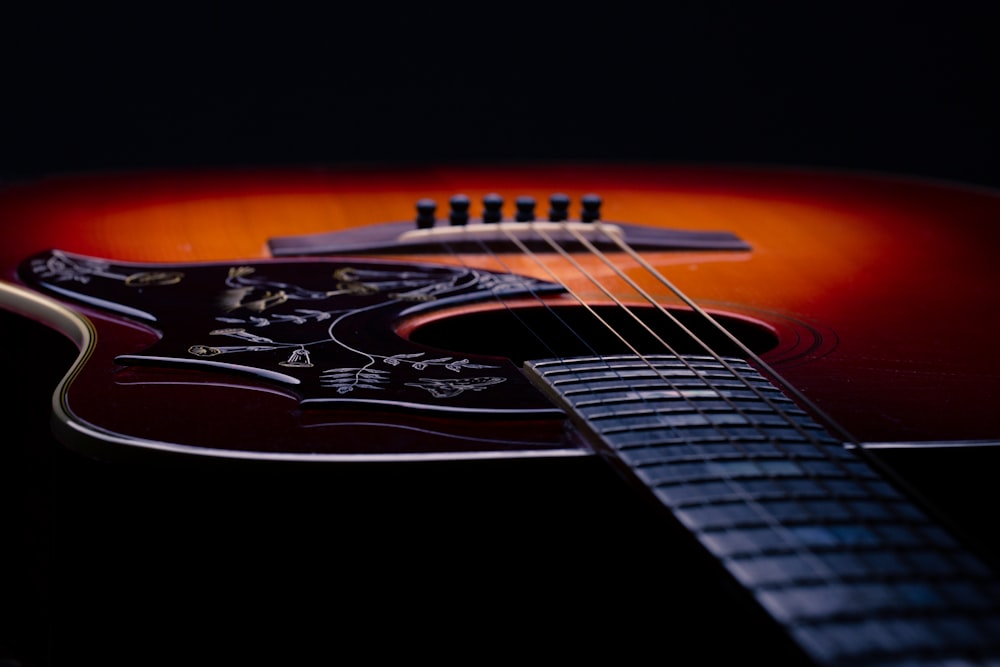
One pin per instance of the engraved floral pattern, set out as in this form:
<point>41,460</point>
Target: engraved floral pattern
<point>304,327</point>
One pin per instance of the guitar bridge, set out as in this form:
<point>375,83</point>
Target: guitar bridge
<point>464,233</point>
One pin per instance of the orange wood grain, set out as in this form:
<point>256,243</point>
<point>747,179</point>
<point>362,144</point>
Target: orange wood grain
<point>893,279</point>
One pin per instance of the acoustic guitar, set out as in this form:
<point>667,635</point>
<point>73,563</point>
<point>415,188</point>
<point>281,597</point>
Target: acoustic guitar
<point>742,346</point>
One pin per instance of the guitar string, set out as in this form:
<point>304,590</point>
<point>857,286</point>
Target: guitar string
<point>650,299</point>
<point>582,302</point>
<point>604,323</point>
<point>891,509</point>
<point>674,320</point>
<point>551,242</point>
<point>766,516</point>
<point>710,350</point>
<point>794,393</point>
<point>512,311</point>
<point>896,512</point>
<point>639,355</point>
<point>544,340</point>
<point>623,307</point>
<point>821,569</point>
<point>707,317</point>
<point>715,325</point>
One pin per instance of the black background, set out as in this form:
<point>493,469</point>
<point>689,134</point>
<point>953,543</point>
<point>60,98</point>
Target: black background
<point>158,565</point>
<point>891,86</point>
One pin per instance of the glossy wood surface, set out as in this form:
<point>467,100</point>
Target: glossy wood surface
<point>882,291</point>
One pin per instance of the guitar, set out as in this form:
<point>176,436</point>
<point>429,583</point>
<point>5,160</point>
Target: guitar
<point>742,346</point>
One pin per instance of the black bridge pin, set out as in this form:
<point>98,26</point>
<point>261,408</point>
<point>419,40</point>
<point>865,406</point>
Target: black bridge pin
<point>525,209</point>
<point>591,208</point>
<point>558,207</point>
<point>492,208</point>
<point>425,213</point>
<point>459,210</point>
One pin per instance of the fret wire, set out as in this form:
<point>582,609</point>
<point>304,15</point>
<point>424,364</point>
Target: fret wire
<point>821,568</point>
<point>805,551</point>
<point>651,300</point>
<point>707,317</point>
<point>750,500</point>
<point>674,320</point>
<point>594,251</point>
<point>623,245</point>
<point>814,563</point>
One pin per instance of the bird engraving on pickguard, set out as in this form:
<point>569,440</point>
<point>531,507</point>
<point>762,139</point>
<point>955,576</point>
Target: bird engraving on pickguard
<point>323,328</point>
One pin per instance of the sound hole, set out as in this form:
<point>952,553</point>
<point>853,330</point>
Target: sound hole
<point>566,331</point>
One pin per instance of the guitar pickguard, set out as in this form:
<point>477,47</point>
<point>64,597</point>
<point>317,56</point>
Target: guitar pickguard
<point>323,329</point>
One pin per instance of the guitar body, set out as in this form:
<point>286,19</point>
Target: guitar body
<point>871,298</point>
<point>879,292</point>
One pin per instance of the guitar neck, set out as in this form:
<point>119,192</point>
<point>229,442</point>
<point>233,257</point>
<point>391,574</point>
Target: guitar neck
<point>853,570</point>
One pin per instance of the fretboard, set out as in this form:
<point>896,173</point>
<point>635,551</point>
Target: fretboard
<point>855,571</point>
